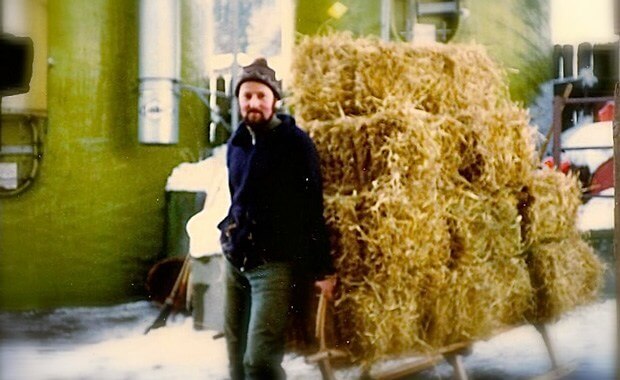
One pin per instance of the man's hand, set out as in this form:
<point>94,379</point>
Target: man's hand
<point>327,286</point>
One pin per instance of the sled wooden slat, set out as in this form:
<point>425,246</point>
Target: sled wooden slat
<point>325,354</point>
<point>556,373</point>
<point>408,368</point>
<point>456,362</point>
<point>425,362</point>
<point>452,353</point>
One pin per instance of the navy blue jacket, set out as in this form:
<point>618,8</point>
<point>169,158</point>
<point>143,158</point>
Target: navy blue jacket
<point>276,211</point>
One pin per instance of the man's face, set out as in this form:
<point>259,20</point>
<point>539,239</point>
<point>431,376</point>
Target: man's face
<point>256,102</point>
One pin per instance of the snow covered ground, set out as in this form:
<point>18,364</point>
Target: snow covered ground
<point>597,213</point>
<point>108,343</point>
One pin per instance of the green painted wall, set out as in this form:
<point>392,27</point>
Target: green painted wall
<point>516,32</point>
<point>363,17</point>
<point>88,229</point>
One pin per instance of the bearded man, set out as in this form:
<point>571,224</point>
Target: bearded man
<point>274,236</point>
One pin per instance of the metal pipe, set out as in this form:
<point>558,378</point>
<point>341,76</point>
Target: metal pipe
<point>234,111</point>
<point>587,100</point>
<point>588,148</point>
<point>411,19</point>
<point>159,72</point>
<point>386,10</point>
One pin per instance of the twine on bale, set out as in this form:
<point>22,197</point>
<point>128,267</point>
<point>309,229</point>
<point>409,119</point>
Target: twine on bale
<point>442,227</point>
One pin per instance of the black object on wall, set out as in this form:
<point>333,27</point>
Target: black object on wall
<point>17,55</point>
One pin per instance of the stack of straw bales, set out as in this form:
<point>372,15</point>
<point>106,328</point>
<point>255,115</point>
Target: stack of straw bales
<point>442,227</point>
<point>564,269</point>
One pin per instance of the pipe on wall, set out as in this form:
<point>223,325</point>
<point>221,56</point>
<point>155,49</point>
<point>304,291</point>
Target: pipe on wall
<point>386,17</point>
<point>159,72</point>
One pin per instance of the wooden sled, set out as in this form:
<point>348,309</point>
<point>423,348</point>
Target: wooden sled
<point>452,353</point>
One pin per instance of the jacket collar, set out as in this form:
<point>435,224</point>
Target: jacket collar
<point>243,137</point>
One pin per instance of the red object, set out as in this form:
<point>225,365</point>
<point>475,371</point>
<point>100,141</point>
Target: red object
<point>564,164</point>
<point>606,113</point>
<point>603,177</point>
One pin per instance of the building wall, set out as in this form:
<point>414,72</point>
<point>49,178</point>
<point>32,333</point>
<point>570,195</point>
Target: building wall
<point>87,230</point>
<point>363,17</point>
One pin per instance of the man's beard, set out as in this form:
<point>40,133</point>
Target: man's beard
<point>256,119</point>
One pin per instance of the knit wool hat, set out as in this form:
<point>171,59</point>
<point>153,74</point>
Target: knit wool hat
<point>259,71</point>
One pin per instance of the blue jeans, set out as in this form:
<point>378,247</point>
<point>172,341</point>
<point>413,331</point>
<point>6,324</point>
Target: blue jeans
<point>255,320</point>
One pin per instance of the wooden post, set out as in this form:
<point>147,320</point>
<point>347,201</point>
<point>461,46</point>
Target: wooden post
<point>559,102</point>
<point>617,218</point>
<point>542,329</point>
<point>456,362</point>
<point>324,365</point>
<point>616,187</point>
<point>325,354</point>
<point>558,107</point>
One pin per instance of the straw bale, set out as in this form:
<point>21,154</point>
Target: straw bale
<point>375,320</point>
<point>417,274</point>
<point>339,75</point>
<point>348,152</point>
<point>399,145</point>
<point>442,229</point>
<point>483,227</point>
<point>403,286</point>
<point>346,237</point>
<point>491,151</point>
<point>390,74</point>
<point>386,261</point>
<point>324,77</point>
<point>500,146</point>
<point>552,210</point>
<point>380,231</point>
<point>406,233</point>
<point>459,152</point>
<point>474,300</point>
<point>487,284</point>
<point>565,274</point>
